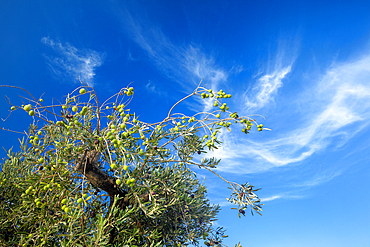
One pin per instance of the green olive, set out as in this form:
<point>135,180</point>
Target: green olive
<point>27,108</point>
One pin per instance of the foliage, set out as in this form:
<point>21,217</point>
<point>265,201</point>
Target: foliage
<point>93,174</point>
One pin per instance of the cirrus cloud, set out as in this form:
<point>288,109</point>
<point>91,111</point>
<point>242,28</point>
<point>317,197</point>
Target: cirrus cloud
<point>74,63</point>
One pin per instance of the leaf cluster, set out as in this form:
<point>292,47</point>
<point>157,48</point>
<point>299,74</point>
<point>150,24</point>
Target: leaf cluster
<point>93,174</point>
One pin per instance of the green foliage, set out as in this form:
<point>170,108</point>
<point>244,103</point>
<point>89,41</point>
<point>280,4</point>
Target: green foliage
<point>93,174</point>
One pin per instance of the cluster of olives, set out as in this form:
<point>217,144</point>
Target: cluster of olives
<point>35,139</point>
<point>224,108</point>
<point>28,108</point>
<point>117,132</point>
<point>213,138</point>
<point>130,182</point>
<point>205,95</point>
<point>65,208</point>
<point>80,200</point>
<point>248,125</point>
<point>177,127</point>
<point>224,124</point>
<point>220,94</point>
<point>31,112</point>
<point>130,91</point>
<point>115,135</point>
<point>112,135</point>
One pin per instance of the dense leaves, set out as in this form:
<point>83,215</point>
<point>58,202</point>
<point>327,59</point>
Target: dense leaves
<point>93,174</point>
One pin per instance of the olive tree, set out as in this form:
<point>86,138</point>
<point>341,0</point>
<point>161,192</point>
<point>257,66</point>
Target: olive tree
<point>91,173</point>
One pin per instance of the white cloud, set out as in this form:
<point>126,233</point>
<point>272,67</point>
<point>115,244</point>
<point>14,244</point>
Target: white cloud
<point>282,196</point>
<point>73,62</point>
<point>336,108</point>
<point>201,66</point>
<point>186,64</point>
<point>269,81</point>
<point>320,178</point>
<point>266,88</point>
<point>271,198</point>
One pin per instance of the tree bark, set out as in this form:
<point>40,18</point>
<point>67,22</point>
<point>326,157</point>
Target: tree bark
<point>88,165</point>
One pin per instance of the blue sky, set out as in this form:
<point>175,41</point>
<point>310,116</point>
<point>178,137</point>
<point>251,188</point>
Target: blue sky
<point>303,65</point>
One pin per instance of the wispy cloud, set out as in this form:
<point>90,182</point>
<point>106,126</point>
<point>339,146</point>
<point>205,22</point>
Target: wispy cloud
<point>186,64</point>
<point>201,66</point>
<point>271,198</point>
<point>282,196</point>
<point>266,88</point>
<point>152,88</point>
<point>270,79</point>
<point>72,62</point>
<point>336,108</point>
